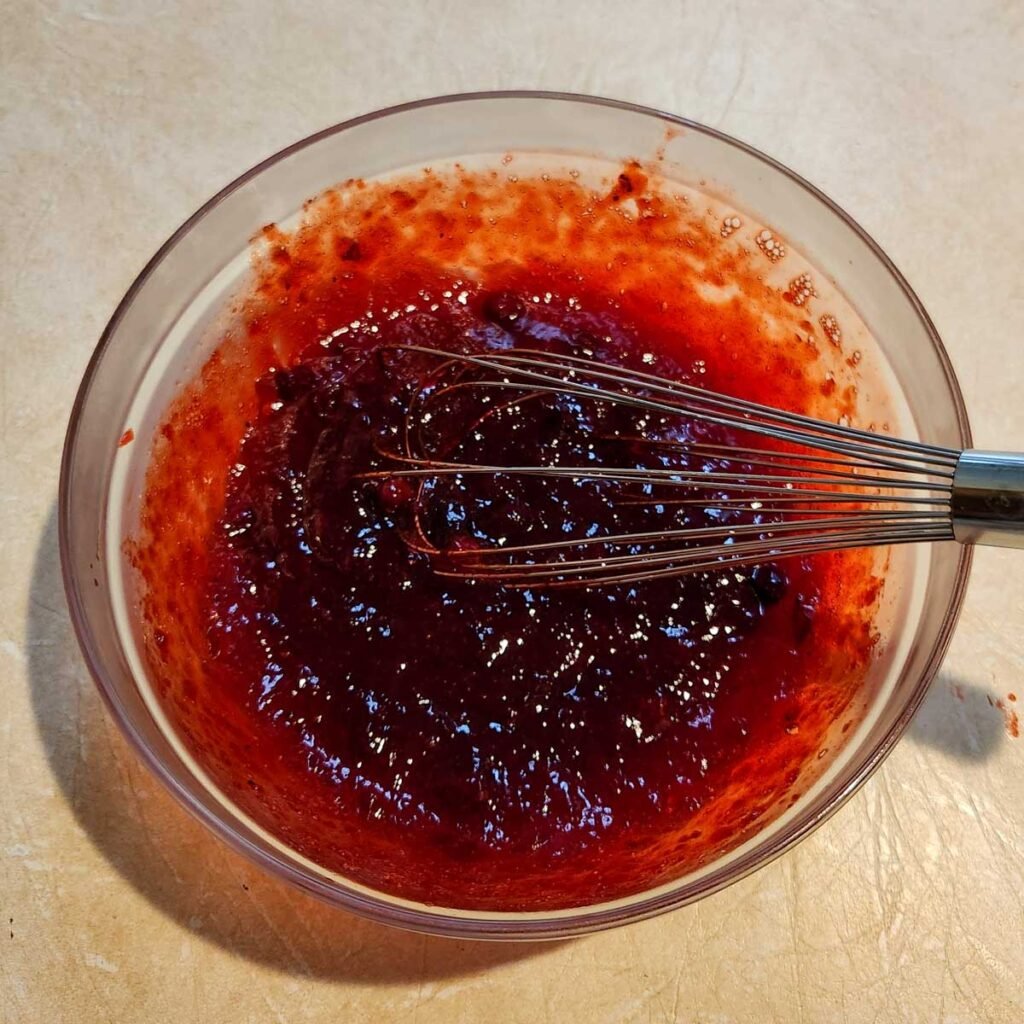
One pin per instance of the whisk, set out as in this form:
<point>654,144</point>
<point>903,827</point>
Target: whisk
<point>799,487</point>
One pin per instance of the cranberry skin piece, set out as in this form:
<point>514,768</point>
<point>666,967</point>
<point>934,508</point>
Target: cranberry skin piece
<point>505,309</point>
<point>769,582</point>
<point>803,616</point>
<point>395,492</point>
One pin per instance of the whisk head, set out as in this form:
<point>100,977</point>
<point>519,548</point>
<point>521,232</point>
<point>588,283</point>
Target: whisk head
<point>656,478</point>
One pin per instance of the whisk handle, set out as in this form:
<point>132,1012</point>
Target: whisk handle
<point>988,499</point>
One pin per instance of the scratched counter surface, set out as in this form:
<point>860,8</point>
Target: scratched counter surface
<point>117,119</point>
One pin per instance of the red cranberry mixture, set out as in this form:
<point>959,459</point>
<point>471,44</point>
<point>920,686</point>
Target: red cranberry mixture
<point>453,740</point>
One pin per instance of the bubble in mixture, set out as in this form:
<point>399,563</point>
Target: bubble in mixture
<point>770,245</point>
<point>730,225</point>
<point>832,330</point>
<point>800,290</point>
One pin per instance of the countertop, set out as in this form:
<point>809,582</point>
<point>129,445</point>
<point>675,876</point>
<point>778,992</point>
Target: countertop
<point>117,119</point>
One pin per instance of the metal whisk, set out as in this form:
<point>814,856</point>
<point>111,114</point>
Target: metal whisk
<point>801,485</point>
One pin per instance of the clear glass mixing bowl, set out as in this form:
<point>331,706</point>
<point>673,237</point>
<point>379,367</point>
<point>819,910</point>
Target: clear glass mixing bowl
<point>154,341</point>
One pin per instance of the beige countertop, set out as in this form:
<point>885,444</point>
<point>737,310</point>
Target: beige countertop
<point>117,119</point>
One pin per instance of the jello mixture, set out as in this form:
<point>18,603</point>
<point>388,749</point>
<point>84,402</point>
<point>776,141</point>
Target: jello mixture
<point>456,741</point>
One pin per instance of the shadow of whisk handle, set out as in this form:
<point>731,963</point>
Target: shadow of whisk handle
<point>987,501</point>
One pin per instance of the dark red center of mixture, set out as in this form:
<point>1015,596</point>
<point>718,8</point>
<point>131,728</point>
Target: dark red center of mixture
<point>481,721</point>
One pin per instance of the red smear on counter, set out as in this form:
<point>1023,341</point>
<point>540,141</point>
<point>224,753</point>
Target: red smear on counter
<point>1010,717</point>
<point>456,742</point>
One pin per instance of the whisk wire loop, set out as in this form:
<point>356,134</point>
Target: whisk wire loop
<point>804,486</point>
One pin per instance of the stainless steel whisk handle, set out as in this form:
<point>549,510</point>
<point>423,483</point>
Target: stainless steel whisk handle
<point>987,501</point>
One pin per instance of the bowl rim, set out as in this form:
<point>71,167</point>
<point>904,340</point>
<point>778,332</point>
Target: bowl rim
<point>508,925</point>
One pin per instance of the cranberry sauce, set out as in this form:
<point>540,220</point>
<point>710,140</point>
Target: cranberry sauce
<point>453,740</point>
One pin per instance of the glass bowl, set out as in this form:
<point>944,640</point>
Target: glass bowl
<point>154,342</point>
